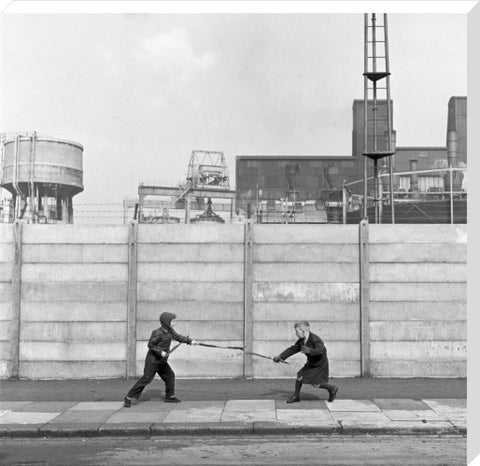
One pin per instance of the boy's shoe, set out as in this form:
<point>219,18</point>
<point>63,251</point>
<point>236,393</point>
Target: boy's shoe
<point>333,394</point>
<point>293,399</point>
<point>127,402</point>
<point>172,399</point>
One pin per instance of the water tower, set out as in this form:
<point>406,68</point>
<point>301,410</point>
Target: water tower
<point>42,174</point>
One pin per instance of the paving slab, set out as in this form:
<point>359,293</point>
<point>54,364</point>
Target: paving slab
<point>84,417</point>
<point>146,406</point>
<point>249,416</point>
<point>458,415</point>
<point>27,418</point>
<point>46,407</point>
<point>398,403</point>
<point>197,404</point>
<point>127,428</point>
<point>97,406</point>
<point>413,415</point>
<point>442,405</point>
<point>122,417</point>
<point>353,405</point>
<point>212,414</point>
<point>304,404</point>
<point>356,416</point>
<point>200,428</point>
<point>249,405</point>
<point>302,417</point>
<point>398,428</point>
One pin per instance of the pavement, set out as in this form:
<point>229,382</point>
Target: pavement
<point>89,408</point>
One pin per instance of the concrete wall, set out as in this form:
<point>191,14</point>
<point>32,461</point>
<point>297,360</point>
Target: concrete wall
<point>196,272</point>
<point>306,272</point>
<point>84,299</point>
<point>418,289</point>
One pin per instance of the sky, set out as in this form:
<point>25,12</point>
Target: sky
<point>141,91</point>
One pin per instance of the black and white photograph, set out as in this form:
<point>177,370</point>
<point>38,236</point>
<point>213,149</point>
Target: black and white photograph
<point>235,233</point>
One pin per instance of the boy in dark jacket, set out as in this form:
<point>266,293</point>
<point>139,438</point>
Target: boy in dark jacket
<point>315,371</point>
<point>156,360</point>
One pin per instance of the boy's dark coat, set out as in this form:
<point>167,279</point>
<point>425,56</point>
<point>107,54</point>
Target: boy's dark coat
<point>315,371</point>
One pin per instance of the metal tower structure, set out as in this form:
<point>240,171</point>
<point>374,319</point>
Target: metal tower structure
<point>378,132</point>
<point>208,169</point>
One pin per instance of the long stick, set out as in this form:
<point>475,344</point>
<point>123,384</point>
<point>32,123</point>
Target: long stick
<point>241,349</point>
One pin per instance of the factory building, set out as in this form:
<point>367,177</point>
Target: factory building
<point>265,181</point>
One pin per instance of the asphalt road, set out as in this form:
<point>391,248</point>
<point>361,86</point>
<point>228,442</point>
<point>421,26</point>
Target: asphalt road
<point>238,450</point>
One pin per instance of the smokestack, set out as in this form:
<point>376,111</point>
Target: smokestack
<point>452,148</point>
<point>413,176</point>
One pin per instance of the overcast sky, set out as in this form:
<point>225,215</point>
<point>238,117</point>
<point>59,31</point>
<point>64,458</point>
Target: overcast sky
<point>140,92</point>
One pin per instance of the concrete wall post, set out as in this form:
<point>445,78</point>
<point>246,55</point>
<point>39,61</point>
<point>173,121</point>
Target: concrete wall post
<point>248,301</point>
<point>364,300</point>
<point>14,333</point>
<point>132,300</point>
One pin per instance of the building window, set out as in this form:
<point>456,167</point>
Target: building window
<point>430,183</point>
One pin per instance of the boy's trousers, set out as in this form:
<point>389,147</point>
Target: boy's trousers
<point>154,366</point>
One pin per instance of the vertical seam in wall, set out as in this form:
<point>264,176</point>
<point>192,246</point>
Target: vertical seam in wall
<point>364,299</point>
<point>14,332</point>
<point>248,302</point>
<point>132,300</point>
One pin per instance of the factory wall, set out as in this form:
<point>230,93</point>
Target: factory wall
<point>80,302</point>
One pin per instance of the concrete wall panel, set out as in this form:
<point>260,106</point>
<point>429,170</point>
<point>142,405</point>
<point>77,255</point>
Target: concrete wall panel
<point>74,331</point>
<point>72,351</point>
<point>203,252</point>
<point>191,310</point>
<point>418,272</point>
<point>418,291</point>
<point>70,311</point>
<point>190,291</point>
<point>418,331</point>
<point>313,311</point>
<point>408,368</point>
<point>5,311</point>
<point>200,272</point>
<point>81,253</point>
<point>182,233</point>
<point>424,252</point>
<point>419,350</point>
<point>418,310</point>
<point>75,234</point>
<point>6,235</point>
<point>300,272</point>
<point>327,234</point>
<point>72,370</point>
<point>74,272</point>
<point>75,292</point>
<point>418,234</point>
<point>315,291</point>
<point>4,350</point>
<point>307,252</point>
<point>5,292</point>
<point>5,271</point>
